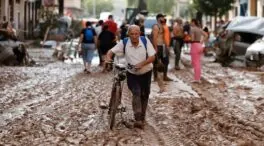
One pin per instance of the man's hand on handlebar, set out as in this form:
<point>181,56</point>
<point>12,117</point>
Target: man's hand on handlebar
<point>139,66</point>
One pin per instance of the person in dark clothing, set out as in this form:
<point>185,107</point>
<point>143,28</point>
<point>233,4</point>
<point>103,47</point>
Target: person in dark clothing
<point>140,23</point>
<point>123,30</point>
<point>98,30</point>
<point>178,33</point>
<point>106,41</point>
<point>187,37</point>
<point>88,39</point>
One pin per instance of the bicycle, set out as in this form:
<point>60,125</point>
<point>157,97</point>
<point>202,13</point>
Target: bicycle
<point>116,93</point>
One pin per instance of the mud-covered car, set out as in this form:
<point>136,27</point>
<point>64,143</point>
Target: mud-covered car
<point>238,36</point>
<point>14,53</point>
<point>255,54</point>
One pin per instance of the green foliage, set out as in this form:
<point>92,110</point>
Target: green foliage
<point>164,6</point>
<point>101,6</point>
<point>154,6</point>
<point>132,3</point>
<point>214,7</point>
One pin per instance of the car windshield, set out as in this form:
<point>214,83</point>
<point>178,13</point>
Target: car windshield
<point>149,22</point>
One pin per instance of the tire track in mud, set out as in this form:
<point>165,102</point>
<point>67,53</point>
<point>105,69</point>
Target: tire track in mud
<point>67,112</point>
<point>231,127</point>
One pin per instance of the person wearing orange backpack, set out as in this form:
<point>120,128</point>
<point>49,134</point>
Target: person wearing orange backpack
<point>167,35</point>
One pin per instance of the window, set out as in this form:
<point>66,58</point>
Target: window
<point>18,1</point>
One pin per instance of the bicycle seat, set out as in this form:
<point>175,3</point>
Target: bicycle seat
<point>120,66</point>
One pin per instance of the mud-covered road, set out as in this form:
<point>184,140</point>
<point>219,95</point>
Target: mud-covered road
<point>58,104</point>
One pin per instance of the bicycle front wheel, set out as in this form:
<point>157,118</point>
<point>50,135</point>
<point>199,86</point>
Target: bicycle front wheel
<point>114,102</point>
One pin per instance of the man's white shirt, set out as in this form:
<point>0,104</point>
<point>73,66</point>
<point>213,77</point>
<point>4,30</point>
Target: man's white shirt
<point>135,55</point>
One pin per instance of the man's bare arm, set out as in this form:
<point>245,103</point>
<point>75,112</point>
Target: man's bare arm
<point>155,34</point>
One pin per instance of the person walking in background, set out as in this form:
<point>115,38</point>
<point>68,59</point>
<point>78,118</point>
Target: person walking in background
<point>123,30</point>
<point>106,41</point>
<point>198,36</point>
<point>98,30</point>
<point>178,34</point>
<point>206,42</point>
<point>167,34</point>
<point>112,26</point>
<point>186,37</point>
<point>160,47</point>
<point>140,22</point>
<point>99,27</point>
<point>88,41</point>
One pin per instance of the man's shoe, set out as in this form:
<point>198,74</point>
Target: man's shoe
<point>166,78</point>
<point>139,124</point>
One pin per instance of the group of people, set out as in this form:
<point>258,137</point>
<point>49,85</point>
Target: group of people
<point>102,37</point>
<point>194,36</point>
<point>147,55</point>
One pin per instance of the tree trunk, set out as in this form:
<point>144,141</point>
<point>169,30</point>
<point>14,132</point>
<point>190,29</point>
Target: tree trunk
<point>142,5</point>
<point>199,17</point>
<point>215,21</point>
<point>61,7</point>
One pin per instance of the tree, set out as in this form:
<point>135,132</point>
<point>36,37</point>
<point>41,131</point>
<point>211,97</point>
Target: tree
<point>101,6</point>
<point>153,6</point>
<point>216,8</point>
<point>61,7</point>
<point>161,6</point>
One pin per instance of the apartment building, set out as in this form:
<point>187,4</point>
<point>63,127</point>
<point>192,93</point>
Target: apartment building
<point>248,8</point>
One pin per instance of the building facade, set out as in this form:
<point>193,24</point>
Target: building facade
<point>25,13</point>
<point>248,8</point>
<point>72,8</point>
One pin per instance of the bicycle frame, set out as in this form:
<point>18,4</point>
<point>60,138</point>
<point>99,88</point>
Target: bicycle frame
<point>116,94</point>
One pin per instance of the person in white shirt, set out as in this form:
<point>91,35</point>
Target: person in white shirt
<point>138,78</point>
<point>98,30</point>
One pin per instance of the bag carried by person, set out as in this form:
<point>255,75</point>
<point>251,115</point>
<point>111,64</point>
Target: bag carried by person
<point>187,38</point>
<point>88,34</point>
<point>144,41</point>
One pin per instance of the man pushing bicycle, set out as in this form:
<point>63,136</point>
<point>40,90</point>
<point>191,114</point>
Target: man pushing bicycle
<point>140,54</point>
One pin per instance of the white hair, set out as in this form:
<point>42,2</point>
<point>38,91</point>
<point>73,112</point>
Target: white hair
<point>133,27</point>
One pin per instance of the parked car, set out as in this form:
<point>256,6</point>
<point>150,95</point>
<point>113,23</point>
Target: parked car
<point>148,23</point>
<point>237,36</point>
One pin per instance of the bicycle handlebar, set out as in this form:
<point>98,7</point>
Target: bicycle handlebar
<point>122,66</point>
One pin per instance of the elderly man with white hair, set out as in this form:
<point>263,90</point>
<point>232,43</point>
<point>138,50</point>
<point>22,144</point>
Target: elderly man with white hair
<point>138,52</point>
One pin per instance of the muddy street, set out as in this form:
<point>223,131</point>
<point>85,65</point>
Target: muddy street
<point>56,103</point>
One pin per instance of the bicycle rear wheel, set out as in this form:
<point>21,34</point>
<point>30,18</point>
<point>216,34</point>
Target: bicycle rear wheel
<point>114,102</point>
